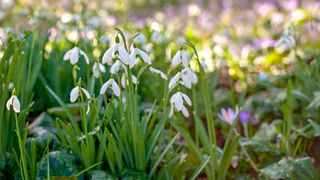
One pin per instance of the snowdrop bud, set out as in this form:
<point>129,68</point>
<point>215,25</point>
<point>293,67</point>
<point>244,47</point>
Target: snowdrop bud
<point>14,102</point>
<point>110,84</point>
<point>153,70</point>
<point>74,54</point>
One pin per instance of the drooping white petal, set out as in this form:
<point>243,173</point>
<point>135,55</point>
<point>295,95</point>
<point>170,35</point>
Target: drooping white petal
<point>85,56</point>
<point>104,87</point>
<point>171,111</point>
<point>115,67</point>
<point>163,76</point>
<point>16,104</point>
<point>186,79</point>
<point>115,88</point>
<point>107,56</point>
<point>176,60</point>
<point>174,80</point>
<point>133,59</point>
<point>178,102</point>
<point>144,56</point>
<point>102,68</point>
<point>193,77</point>
<point>9,102</point>
<point>86,93</point>
<point>66,56</point>
<point>74,55</point>
<point>123,55</point>
<point>173,97</point>
<point>186,98</point>
<point>95,70</point>
<point>185,112</point>
<point>185,58</point>
<point>74,94</point>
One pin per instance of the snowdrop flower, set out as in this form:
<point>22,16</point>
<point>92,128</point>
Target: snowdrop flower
<point>74,94</point>
<point>116,67</point>
<point>124,82</point>
<point>177,103</point>
<point>153,70</point>
<point>116,51</point>
<point>140,39</point>
<point>97,69</point>
<point>139,53</point>
<point>14,102</point>
<point>110,84</point>
<point>74,54</point>
<point>228,115</point>
<point>181,57</point>
<point>188,77</point>
<point>174,80</point>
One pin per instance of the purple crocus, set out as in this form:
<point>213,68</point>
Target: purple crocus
<point>244,117</point>
<point>228,115</point>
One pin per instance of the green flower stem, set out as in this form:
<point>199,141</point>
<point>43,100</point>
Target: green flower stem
<point>208,110</point>
<point>22,149</point>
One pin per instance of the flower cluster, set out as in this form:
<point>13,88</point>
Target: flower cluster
<point>185,77</point>
<point>119,58</point>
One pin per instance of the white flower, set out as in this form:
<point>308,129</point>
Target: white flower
<point>74,54</point>
<point>139,53</point>
<point>97,69</point>
<point>140,39</point>
<point>123,80</point>
<point>177,103</point>
<point>188,77</point>
<point>116,51</point>
<point>174,80</point>
<point>153,70</point>
<point>74,94</point>
<point>116,67</point>
<point>112,84</point>
<point>14,102</point>
<point>180,57</point>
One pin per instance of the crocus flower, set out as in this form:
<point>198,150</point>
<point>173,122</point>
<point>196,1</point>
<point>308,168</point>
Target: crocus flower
<point>228,115</point>
<point>180,57</point>
<point>116,51</point>
<point>74,54</point>
<point>244,117</point>
<point>177,103</point>
<point>135,53</point>
<point>74,94</point>
<point>154,70</point>
<point>111,84</point>
<point>14,102</point>
<point>97,69</point>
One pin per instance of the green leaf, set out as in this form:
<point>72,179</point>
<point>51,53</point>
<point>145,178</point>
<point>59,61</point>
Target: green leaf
<point>288,168</point>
